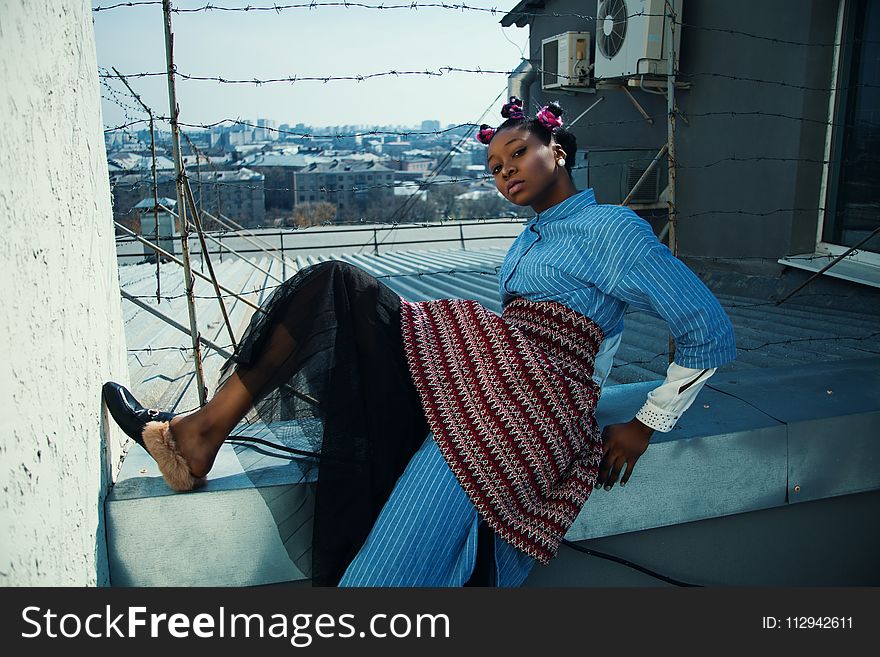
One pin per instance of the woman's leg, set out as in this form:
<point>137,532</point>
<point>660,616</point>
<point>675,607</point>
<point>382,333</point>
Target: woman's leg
<point>200,435</point>
<point>305,314</point>
<point>425,535</point>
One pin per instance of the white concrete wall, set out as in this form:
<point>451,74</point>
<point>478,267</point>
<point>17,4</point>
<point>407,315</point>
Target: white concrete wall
<point>60,320</point>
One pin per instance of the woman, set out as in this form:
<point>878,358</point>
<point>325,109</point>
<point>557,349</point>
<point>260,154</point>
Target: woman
<point>506,402</point>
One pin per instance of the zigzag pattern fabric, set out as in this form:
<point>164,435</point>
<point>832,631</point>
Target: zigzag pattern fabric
<point>510,400</point>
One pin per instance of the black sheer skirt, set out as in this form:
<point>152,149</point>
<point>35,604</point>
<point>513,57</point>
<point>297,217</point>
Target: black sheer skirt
<point>325,365</point>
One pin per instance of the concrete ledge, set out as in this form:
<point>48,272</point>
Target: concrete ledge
<point>751,441</point>
<point>228,533</point>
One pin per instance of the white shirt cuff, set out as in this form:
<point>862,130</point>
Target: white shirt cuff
<point>656,418</point>
<point>667,402</point>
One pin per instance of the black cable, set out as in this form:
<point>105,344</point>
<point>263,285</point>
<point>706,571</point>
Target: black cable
<point>626,562</point>
<point>282,448</point>
<point>602,555</point>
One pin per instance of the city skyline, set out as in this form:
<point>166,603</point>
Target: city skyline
<point>325,42</point>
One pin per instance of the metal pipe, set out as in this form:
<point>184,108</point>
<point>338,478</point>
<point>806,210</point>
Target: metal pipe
<point>828,266</point>
<point>663,232</point>
<point>155,178</point>
<point>174,258</point>
<point>354,245</point>
<point>520,80</point>
<point>283,261</point>
<point>483,221</point>
<point>226,222</point>
<point>247,260</point>
<point>645,174</point>
<point>669,20</point>
<point>180,327</point>
<point>637,105</point>
<point>580,116</point>
<point>208,343</point>
<point>207,260</point>
<point>206,252</point>
<point>189,280</point>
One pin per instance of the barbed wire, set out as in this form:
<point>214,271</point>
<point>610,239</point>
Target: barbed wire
<point>444,70</point>
<point>461,8</point>
<point>265,288</point>
<point>312,4</point>
<point>837,338</point>
<point>409,133</point>
<point>776,82</point>
<point>618,363</point>
<point>750,213</point>
<point>149,350</point>
<point>787,42</point>
<point>313,78</point>
<point>115,97</point>
<point>772,302</point>
<point>810,339</point>
<point>119,5</point>
<point>340,135</point>
<point>280,131</point>
<point>779,115</point>
<point>494,271</point>
<point>423,184</point>
<point>123,126</point>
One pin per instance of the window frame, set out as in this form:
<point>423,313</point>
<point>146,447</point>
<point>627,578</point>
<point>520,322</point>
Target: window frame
<point>834,139</point>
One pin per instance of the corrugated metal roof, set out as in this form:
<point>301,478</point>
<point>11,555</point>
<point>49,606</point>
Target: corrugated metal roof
<point>161,369</point>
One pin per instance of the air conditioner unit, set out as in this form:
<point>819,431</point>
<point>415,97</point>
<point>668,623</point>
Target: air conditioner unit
<point>565,60</point>
<point>612,174</point>
<point>631,38</point>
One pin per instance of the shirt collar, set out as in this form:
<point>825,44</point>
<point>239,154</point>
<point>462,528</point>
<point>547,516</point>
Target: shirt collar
<point>564,208</point>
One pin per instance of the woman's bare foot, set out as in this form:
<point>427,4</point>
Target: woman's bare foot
<point>196,443</point>
<point>200,435</point>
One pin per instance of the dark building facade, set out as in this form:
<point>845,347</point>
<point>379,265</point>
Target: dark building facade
<point>776,133</point>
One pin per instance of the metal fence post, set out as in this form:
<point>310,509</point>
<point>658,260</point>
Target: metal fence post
<point>283,261</point>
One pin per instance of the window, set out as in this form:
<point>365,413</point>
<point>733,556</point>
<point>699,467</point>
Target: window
<point>853,202</point>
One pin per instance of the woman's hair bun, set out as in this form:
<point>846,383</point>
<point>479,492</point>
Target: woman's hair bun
<point>556,108</point>
<point>513,108</point>
<point>550,116</point>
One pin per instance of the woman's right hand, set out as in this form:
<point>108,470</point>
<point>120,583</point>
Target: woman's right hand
<point>622,444</point>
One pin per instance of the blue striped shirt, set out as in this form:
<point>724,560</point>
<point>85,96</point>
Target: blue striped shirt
<point>598,259</point>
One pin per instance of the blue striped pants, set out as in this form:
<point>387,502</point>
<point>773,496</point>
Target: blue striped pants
<point>426,534</point>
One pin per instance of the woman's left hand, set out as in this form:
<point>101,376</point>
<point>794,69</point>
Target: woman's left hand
<point>623,444</point>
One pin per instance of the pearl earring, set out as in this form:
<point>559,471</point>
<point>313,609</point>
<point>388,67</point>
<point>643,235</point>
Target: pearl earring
<point>562,162</point>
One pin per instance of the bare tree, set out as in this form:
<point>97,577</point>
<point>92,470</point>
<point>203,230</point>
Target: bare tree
<point>311,214</point>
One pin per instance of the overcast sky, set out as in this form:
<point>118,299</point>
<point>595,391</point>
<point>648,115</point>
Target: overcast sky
<point>323,41</point>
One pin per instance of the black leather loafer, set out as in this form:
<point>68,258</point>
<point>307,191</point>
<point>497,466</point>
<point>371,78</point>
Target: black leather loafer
<point>128,413</point>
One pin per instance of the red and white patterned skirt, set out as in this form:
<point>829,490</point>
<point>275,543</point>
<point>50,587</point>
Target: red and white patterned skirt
<point>510,400</point>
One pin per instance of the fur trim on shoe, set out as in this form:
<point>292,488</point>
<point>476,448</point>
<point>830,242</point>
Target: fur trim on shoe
<point>162,447</point>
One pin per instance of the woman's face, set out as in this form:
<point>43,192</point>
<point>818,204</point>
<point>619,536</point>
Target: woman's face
<point>524,169</point>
